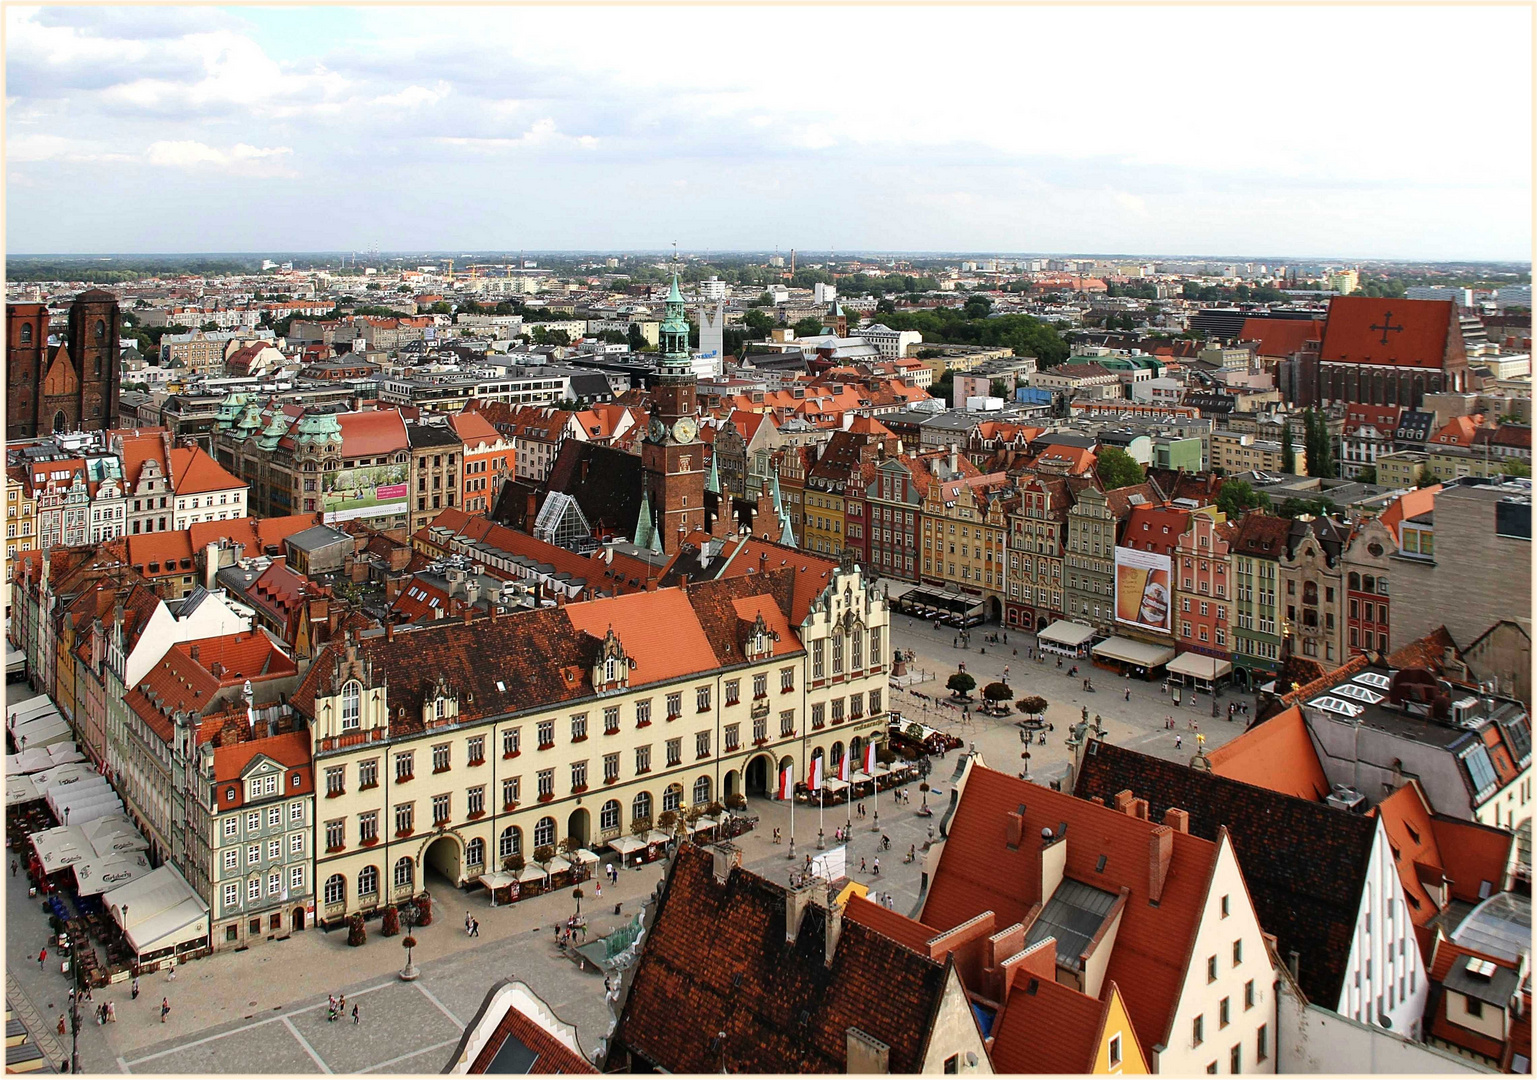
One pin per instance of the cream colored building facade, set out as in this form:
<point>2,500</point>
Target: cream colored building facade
<point>417,768</point>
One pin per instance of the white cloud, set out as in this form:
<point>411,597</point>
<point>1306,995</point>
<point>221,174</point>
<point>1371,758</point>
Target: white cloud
<point>190,154</point>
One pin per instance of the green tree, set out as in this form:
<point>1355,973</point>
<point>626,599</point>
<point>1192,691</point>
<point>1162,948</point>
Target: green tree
<point>1367,475</point>
<point>1320,445</point>
<point>961,684</point>
<point>1428,478</point>
<point>978,306</point>
<point>636,339</point>
<point>1117,468</point>
<point>1288,451</point>
<point>1237,497</point>
<point>1512,467</point>
<point>808,327</point>
<point>757,324</point>
<point>885,307</point>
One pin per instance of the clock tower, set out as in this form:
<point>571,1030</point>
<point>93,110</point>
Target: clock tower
<point>671,453</point>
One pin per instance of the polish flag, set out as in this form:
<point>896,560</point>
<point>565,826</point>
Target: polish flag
<point>843,767</point>
<point>814,780</point>
<point>870,758</point>
<point>787,781</point>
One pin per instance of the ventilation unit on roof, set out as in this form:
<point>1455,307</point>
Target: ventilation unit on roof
<point>1345,797</point>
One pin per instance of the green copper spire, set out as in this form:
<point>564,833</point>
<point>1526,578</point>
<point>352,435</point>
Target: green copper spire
<point>645,534</point>
<point>674,335</point>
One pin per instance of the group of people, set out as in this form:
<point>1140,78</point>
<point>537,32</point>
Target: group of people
<point>336,1008</point>
<point>471,926</point>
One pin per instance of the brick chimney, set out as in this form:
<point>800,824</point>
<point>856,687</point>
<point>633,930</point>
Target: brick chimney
<point>796,903</point>
<point>1123,800</point>
<point>1016,823</point>
<point>1138,809</point>
<point>1177,819</point>
<point>1160,850</point>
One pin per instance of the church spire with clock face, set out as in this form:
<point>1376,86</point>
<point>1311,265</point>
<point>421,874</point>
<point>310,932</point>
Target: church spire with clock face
<point>672,456</point>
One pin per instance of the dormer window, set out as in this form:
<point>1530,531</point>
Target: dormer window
<point>352,694</point>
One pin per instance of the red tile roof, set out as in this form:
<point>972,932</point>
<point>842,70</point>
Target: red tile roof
<point>1281,337</point>
<point>1045,1027</point>
<point>551,1056</point>
<point>193,472</point>
<point>1278,754</point>
<point>369,434</point>
<point>977,872</point>
<point>1354,331</point>
<point>1410,504</point>
<point>187,682</point>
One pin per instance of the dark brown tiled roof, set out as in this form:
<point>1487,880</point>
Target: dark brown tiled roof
<point>605,482</point>
<point>716,960</point>
<point>1305,862</point>
<point>1261,536</point>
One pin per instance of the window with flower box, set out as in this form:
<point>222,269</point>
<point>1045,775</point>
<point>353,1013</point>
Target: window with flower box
<point>579,776</point>
<point>368,827</point>
<point>440,758</point>
<point>579,727</point>
<point>837,710</point>
<point>856,706</point>
<point>674,752</point>
<point>733,737</point>
<point>404,766</point>
<point>336,833</point>
<point>610,768</point>
<point>405,818</point>
<point>546,783</point>
<point>875,702</point>
<point>702,744</point>
<point>546,732</point>
<point>512,740</point>
<point>760,685</point>
<point>818,715</point>
<point>611,720</point>
<point>643,759</point>
<point>511,791</point>
<point>643,713</point>
<point>760,729</point>
<point>440,810</point>
<point>733,691</point>
<point>336,781</point>
<point>475,801</point>
<point>674,706</point>
<point>475,750</point>
<point>787,723</point>
<point>368,773</point>
<point>786,680</point>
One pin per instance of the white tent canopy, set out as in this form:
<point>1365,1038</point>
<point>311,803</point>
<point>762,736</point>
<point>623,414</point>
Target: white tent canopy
<point>1066,634</point>
<point>20,789</point>
<point>31,707</point>
<point>40,732</point>
<point>78,803</point>
<point>68,774</point>
<point>626,845</point>
<point>37,759</point>
<point>835,785</point>
<point>532,872</point>
<point>114,833</point>
<point>62,846</point>
<point>1140,653</point>
<point>158,911</point>
<point>1196,666</point>
<point>99,873</point>
<point>582,855</point>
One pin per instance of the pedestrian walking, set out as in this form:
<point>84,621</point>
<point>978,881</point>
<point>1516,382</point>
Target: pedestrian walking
<point>475,923</point>
<point>1179,741</point>
<point>42,958</point>
<point>613,875</point>
<point>355,1013</point>
<point>466,920</point>
<point>598,889</point>
<point>14,865</point>
<point>165,1009</point>
<point>135,990</point>
<point>171,974</point>
<point>876,866</point>
<point>111,1012</point>
<point>862,865</point>
<point>61,1023</point>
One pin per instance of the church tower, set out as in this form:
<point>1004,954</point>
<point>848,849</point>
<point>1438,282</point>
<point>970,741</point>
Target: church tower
<point>671,454</point>
<point>60,387</point>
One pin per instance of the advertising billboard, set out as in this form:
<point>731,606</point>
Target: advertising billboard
<point>372,491</point>
<point>1143,589</point>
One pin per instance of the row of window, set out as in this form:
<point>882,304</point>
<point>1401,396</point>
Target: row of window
<point>253,818</point>
<point>253,852</point>
<point>274,887</point>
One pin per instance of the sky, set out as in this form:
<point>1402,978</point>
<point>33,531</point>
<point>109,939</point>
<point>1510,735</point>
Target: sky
<point>1345,132</point>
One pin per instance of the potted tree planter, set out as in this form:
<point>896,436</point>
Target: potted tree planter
<point>409,973</point>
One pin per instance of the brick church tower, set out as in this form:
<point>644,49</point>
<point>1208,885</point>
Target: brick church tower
<point>72,387</point>
<point>672,504</point>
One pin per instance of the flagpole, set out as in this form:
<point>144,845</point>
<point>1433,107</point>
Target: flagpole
<point>790,787</point>
<point>875,788</point>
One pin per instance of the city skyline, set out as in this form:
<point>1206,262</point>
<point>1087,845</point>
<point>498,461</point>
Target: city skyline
<point>614,129</point>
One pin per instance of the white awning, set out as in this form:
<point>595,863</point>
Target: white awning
<point>1206,668</point>
<point>73,772</point>
<point>657,836</point>
<point>162,911</point>
<point>862,777</point>
<point>30,707</point>
<point>102,872</point>
<point>40,732</point>
<point>626,845</point>
<point>703,822</point>
<point>498,880</point>
<point>114,833</point>
<point>61,846</point>
<point>1139,653</point>
<point>20,789</point>
<point>1065,632</point>
<point>558,865</point>
<point>582,855</point>
<point>532,872</point>
<point>835,785</point>
<point>28,761</point>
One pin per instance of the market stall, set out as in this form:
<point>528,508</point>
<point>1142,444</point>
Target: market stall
<point>160,916</point>
<point>1198,670</point>
<point>1136,657</point>
<point>1066,638</point>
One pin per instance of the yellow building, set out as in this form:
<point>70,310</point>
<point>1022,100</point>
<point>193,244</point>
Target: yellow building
<point>1232,452</point>
<point>1401,469</point>
<point>20,525</point>
<point>463,748</point>
<point>965,536</point>
<point>824,529</point>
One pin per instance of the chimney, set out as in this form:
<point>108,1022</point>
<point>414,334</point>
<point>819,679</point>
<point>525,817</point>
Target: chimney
<point>217,670</point>
<point>865,1053</point>
<point>389,630</point>
<point>796,902</point>
<point>1160,850</point>
<point>1138,809</point>
<point>1123,800</point>
<point>726,856</point>
<point>834,924</point>
<point>194,652</point>
<point>1016,819</point>
<point>955,459</point>
<point>1293,958</point>
<point>1176,819</point>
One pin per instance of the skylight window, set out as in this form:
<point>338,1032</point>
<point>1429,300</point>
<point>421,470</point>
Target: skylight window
<point>1337,706</point>
<point>1374,678</point>
<point>1358,693</point>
